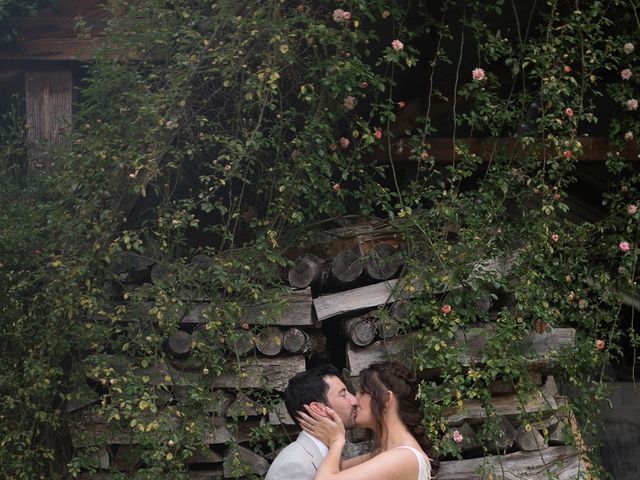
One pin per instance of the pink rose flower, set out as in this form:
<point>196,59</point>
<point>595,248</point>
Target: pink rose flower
<point>628,136</point>
<point>424,155</point>
<point>336,187</point>
<point>349,102</point>
<point>626,74</point>
<point>599,344</point>
<point>567,154</point>
<point>557,196</point>
<point>346,15</point>
<point>632,104</point>
<point>377,133</point>
<point>446,308</point>
<point>568,112</point>
<point>477,74</point>
<point>628,47</point>
<point>333,147</point>
<point>624,246</point>
<point>401,104</point>
<point>344,142</point>
<point>555,237</point>
<point>338,15</point>
<point>566,69</point>
<point>397,45</point>
<point>364,85</point>
<point>632,209</point>
<point>457,436</point>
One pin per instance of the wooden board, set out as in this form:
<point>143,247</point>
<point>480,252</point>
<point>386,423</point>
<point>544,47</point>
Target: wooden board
<point>49,98</point>
<point>442,149</point>
<point>260,373</point>
<point>507,406</point>
<point>540,347</point>
<point>53,38</point>
<point>297,313</point>
<point>564,462</point>
<point>331,305</point>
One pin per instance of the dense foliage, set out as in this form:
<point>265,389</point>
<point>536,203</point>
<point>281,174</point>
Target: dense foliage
<point>241,128</point>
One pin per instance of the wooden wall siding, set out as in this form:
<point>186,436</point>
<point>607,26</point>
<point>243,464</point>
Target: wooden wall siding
<point>52,34</point>
<point>52,39</point>
<point>49,98</point>
<point>594,149</point>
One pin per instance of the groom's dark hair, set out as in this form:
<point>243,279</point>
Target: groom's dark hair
<point>306,387</point>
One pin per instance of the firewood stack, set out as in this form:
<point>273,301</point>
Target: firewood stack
<point>348,303</point>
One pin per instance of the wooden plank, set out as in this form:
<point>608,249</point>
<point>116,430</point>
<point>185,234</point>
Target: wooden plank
<point>241,457</point>
<point>298,312</point>
<point>260,373</point>
<point>52,39</point>
<point>540,348</point>
<point>331,305</point>
<point>49,99</point>
<point>561,463</point>
<point>214,473</point>
<point>594,149</point>
<point>507,406</point>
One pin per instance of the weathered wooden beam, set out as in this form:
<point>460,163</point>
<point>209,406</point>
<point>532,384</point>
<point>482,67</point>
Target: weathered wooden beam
<point>54,38</point>
<point>539,347</point>
<point>211,473</point>
<point>334,304</point>
<point>562,463</point>
<point>49,105</point>
<point>280,416</point>
<point>250,462</point>
<point>296,313</point>
<point>506,406</point>
<point>260,373</point>
<point>594,149</point>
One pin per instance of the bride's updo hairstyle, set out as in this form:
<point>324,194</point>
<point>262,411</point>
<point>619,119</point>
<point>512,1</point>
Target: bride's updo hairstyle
<point>380,378</point>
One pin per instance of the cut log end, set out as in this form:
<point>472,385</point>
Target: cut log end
<point>295,341</point>
<point>347,266</point>
<point>382,261</point>
<point>307,270</point>
<point>269,341</point>
<point>359,330</point>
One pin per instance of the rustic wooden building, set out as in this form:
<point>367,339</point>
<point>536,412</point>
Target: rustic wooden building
<point>44,64</point>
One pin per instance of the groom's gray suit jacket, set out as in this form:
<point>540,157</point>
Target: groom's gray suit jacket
<point>297,461</point>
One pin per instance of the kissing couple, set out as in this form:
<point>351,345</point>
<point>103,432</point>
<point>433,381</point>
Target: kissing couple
<point>387,402</point>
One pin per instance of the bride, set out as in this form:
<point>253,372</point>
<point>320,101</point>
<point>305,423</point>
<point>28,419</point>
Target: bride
<point>388,404</point>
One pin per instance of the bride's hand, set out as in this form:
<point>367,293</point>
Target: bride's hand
<point>328,430</point>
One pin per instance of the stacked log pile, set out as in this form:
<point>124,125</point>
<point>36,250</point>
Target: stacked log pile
<point>337,286</point>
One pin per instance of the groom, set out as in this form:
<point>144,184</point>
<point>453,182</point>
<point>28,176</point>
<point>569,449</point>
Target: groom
<point>318,387</point>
